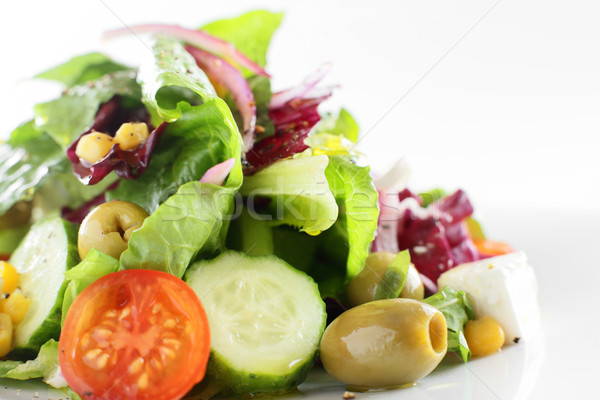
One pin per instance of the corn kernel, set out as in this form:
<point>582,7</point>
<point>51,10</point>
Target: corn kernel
<point>94,146</point>
<point>16,306</point>
<point>6,331</point>
<point>131,135</point>
<point>484,336</point>
<point>10,277</point>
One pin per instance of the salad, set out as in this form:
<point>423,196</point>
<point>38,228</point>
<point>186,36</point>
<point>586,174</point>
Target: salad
<point>181,227</point>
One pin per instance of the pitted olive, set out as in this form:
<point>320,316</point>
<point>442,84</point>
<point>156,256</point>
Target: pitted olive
<point>363,287</point>
<point>108,227</point>
<point>384,344</point>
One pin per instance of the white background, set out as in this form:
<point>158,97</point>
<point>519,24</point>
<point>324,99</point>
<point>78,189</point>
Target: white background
<point>499,98</point>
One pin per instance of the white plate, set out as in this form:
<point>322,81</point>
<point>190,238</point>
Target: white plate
<point>479,379</point>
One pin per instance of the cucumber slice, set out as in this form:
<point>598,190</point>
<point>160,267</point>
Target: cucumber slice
<point>266,320</point>
<point>46,252</point>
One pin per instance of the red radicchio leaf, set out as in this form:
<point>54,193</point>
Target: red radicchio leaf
<point>436,236</point>
<point>293,122</point>
<point>127,164</point>
<point>222,73</point>
<point>390,213</point>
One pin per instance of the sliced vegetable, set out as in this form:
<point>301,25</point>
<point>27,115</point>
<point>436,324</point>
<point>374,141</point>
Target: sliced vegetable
<point>194,37</point>
<point>135,335</point>
<point>266,321</point>
<point>46,253</point>
<point>250,33</point>
<point>298,192</point>
<point>223,74</point>
<point>301,91</point>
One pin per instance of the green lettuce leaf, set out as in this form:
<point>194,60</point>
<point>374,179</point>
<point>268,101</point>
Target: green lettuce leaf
<point>95,265</point>
<point>171,77</point>
<point>25,167</point>
<point>394,277</point>
<point>82,69</point>
<point>67,117</point>
<point>203,136</point>
<point>45,365</point>
<point>353,188</point>
<point>457,309</point>
<point>298,192</point>
<point>250,33</point>
<point>192,223</point>
<point>24,133</point>
<point>342,124</point>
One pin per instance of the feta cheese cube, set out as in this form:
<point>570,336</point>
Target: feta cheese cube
<point>503,287</point>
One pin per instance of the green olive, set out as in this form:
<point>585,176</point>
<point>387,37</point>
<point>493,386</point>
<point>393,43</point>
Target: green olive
<point>362,288</point>
<point>108,227</point>
<point>384,344</point>
<point>413,287</point>
<point>18,215</point>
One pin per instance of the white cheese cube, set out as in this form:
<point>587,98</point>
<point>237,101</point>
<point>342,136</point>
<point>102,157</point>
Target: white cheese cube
<point>503,287</point>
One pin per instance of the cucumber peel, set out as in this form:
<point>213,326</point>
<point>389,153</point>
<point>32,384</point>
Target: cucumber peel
<point>42,258</point>
<point>266,320</point>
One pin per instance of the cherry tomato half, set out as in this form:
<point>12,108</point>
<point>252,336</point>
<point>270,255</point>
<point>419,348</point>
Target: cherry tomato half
<point>135,334</point>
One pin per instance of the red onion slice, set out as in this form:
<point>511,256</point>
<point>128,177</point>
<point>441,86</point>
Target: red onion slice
<point>217,174</point>
<point>194,37</point>
<point>279,99</point>
<point>222,73</point>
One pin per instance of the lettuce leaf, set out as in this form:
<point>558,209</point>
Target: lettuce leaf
<point>67,117</point>
<point>45,365</point>
<point>25,167</point>
<point>203,136</point>
<point>95,265</point>
<point>298,192</point>
<point>82,69</point>
<point>250,33</point>
<point>353,188</point>
<point>342,124</point>
<point>457,310</point>
<point>192,223</point>
<point>170,77</point>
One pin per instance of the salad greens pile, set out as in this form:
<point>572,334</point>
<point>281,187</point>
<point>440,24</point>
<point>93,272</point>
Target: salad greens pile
<point>297,191</point>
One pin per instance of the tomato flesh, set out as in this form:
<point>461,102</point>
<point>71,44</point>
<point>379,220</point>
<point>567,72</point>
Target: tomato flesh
<point>135,334</point>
